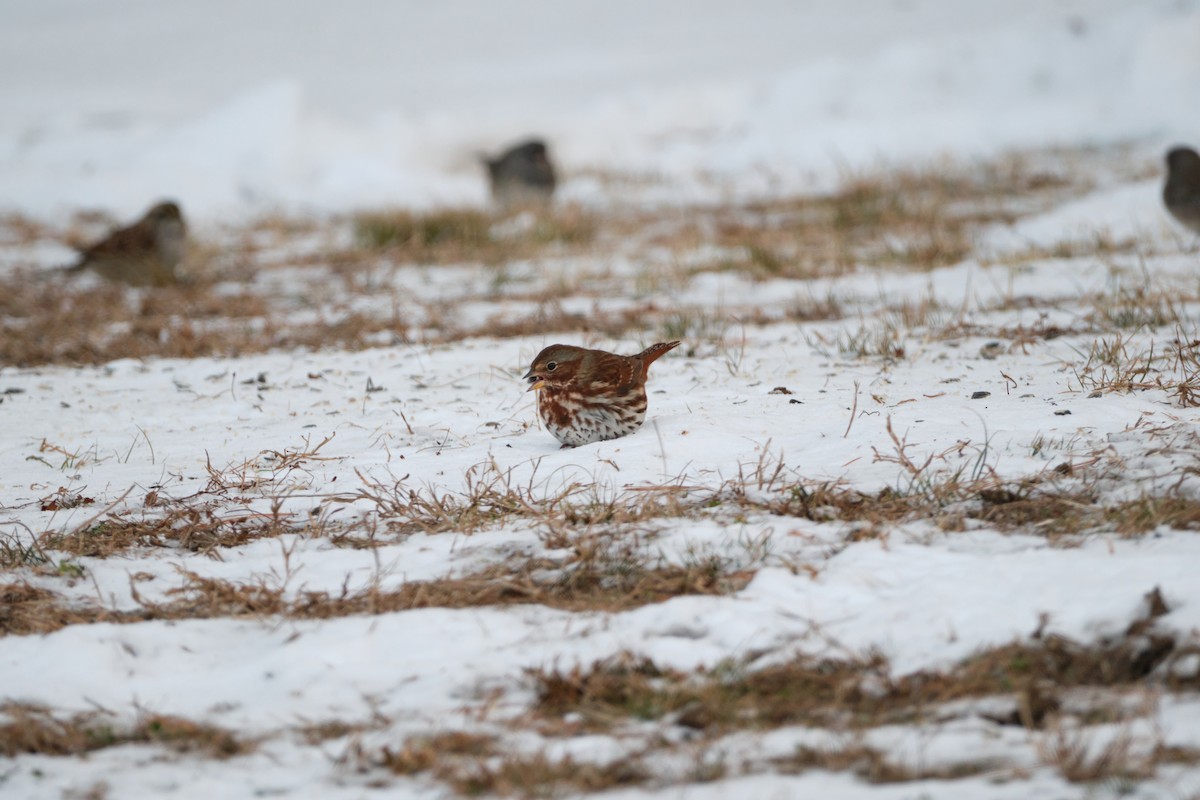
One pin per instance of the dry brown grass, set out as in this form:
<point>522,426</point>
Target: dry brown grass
<point>57,321</point>
<point>859,693</point>
<point>470,235</point>
<point>200,528</point>
<point>595,580</point>
<point>474,764</point>
<point>33,729</point>
<point>541,776</point>
<point>17,228</point>
<point>26,609</point>
<point>914,219</point>
<point>874,766</point>
<point>813,692</point>
<point>582,518</point>
<point>1056,514</point>
<point>1071,754</point>
<point>907,219</point>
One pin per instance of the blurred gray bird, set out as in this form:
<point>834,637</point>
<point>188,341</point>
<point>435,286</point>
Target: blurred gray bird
<point>522,175</point>
<point>143,254</point>
<point>1181,194</point>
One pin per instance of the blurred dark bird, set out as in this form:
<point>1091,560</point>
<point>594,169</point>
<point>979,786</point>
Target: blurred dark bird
<point>522,175</point>
<point>143,254</point>
<point>1181,194</point>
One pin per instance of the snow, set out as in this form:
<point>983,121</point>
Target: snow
<point>297,106</point>
<point>302,106</point>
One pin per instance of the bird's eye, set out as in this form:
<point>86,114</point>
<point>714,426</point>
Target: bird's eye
<point>551,366</point>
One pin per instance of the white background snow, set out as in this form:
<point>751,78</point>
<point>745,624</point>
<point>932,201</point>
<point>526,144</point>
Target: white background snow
<point>301,104</point>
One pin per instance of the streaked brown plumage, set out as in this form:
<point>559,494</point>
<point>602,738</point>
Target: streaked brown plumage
<point>143,254</point>
<point>1181,194</point>
<point>522,175</point>
<point>587,396</point>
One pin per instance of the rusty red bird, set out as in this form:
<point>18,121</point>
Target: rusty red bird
<point>587,396</point>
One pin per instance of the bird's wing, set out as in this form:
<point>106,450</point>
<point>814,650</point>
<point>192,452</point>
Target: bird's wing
<point>134,240</point>
<point>621,372</point>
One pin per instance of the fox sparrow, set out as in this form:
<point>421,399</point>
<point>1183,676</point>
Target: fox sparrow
<point>522,175</point>
<point>587,396</point>
<point>143,254</point>
<point>1181,194</point>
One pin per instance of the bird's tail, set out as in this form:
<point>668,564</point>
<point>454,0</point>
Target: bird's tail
<point>654,351</point>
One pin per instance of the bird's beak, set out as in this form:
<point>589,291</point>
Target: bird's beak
<point>536,382</point>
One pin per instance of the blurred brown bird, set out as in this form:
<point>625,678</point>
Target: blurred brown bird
<point>587,396</point>
<point>1181,194</point>
<point>143,254</point>
<point>522,175</point>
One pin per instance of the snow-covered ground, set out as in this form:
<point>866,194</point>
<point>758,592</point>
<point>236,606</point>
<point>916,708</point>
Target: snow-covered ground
<point>362,473</point>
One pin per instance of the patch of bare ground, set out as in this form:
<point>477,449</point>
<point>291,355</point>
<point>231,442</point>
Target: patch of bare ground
<point>596,578</point>
<point>1121,760</point>
<point>59,321</point>
<point>470,235</point>
<point>860,693</point>
<point>874,766</point>
<point>475,764</point>
<point>200,528</point>
<point>908,219</point>
<point>33,729</point>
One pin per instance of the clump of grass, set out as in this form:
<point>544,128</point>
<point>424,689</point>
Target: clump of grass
<point>57,320</point>
<point>26,609</point>
<point>869,340</point>
<point>595,579</point>
<point>1050,514</point>
<point>875,766</point>
<point>473,764</point>
<point>856,693</point>
<point>464,229</point>
<point>1123,364</point>
<point>424,753</point>
<point>194,528</point>
<point>541,776</point>
<point>15,552</point>
<point>1078,761</point>
<point>1132,308</point>
<point>34,729</point>
<point>620,687</point>
<point>454,235</point>
<point>804,691</point>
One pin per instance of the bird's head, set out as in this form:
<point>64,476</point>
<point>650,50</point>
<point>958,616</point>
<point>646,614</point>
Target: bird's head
<point>557,365</point>
<point>1183,161</point>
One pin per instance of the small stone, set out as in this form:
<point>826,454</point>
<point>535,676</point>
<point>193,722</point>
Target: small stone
<point>980,395</point>
<point>781,390</point>
<point>991,350</point>
<point>1063,413</point>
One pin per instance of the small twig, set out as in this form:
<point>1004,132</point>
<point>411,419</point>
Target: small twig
<point>853,412</point>
<point>79,529</point>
